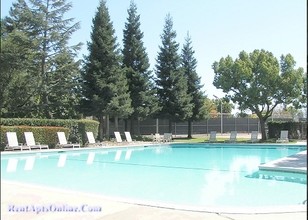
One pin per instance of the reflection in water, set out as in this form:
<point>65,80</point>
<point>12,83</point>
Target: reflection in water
<point>29,163</point>
<point>90,158</point>
<point>248,164</point>
<point>162,149</point>
<point>219,183</point>
<point>62,160</point>
<point>279,176</point>
<point>118,155</point>
<point>128,154</point>
<point>12,165</point>
<point>216,185</point>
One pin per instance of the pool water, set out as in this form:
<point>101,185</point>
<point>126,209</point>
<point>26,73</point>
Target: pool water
<point>198,175</point>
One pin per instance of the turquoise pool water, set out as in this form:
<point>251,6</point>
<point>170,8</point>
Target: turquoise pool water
<point>198,175</point>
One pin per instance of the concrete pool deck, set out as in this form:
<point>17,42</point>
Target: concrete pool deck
<point>21,195</point>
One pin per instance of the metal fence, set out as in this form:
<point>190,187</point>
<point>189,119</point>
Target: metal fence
<point>224,125</point>
<point>220,123</point>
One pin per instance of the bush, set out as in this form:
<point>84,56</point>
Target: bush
<point>275,127</point>
<point>42,135</point>
<point>84,126</point>
<point>77,128</point>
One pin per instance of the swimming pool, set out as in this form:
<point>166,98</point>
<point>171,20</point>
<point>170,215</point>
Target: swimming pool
<point>176,175</point>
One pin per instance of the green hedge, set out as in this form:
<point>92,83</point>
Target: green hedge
<point>77,128</point>
<point>42,135</point>
<point>87,126</point>
<point>275,127</point>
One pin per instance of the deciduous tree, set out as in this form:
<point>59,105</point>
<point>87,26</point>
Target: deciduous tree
<point>257,81</point>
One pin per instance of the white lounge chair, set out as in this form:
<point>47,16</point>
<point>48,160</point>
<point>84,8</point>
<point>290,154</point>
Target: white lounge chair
<point>91,140</point>
<point>283,137</point>
<point>63,142</point>
<point>31,142</point>
<point>156,138</point>
<point>118,137</point>
<point>254,137</point>
<point>212,137</point>
<point>232,139</point>
<point>167,137</point>
<point>299,135</point>
<point>128,137</point>
<point>13,142</point>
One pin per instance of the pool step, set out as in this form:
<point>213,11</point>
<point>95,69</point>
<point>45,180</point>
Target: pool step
<point>279,176</point>
<point>295,163</point>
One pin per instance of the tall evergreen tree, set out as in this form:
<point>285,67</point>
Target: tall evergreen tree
<point>105,88</point>
<point>16,83</point>
<point>171,82</point>
<point>189,65</point>
<point>38,31</point>
<point>136,63</point>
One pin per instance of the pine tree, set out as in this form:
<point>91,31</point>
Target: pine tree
<point>171,82</point>
<point>38,31</point>
<point>136,63</point>
<point>105,88</point>
<point>189,65</point>
<point>16,83</point>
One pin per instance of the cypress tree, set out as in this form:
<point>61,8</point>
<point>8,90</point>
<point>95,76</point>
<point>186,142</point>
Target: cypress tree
<point>189,65</point>
<point>171,83</point>
<point>136,63</point>
<point>105,88</point>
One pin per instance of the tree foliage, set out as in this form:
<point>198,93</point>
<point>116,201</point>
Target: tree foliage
<point>136,64</point>
<point>38,62</point>
<point>105,88</point>
<point>189,65</point>
<point>16,87</point>
<point>171,83</point>
<point>227,106</point>
<point>257,81</point>
<point>303,99</point>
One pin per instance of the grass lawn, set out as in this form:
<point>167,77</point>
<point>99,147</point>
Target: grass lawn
<point>202,140</point>
<point>222,140</point>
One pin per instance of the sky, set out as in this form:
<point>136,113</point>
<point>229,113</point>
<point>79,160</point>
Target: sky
<point>218,28</point>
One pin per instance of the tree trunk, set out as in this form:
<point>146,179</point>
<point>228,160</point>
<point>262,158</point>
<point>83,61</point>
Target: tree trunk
<point>44,73</point>
<point>132,131</point>
<point>263,131</point>
<point>189,129</point>
<point>101,127</point>
<point>138,126</point>
<point>116,123</point>
<point>125,124</point>
<point>107,127</point>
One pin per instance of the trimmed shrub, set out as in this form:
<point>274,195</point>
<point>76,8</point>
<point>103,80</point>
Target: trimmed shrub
<point>42,135</point>
<point>77,128</point>
<point>275,127</point>
<point>86,125</point>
